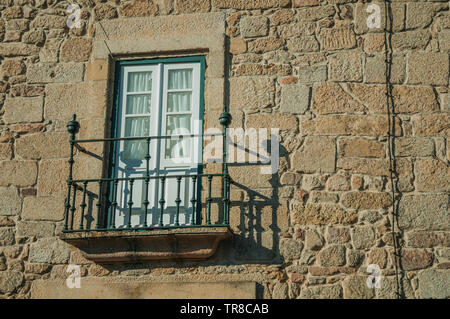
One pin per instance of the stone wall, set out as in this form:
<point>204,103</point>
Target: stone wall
<point>312,68</point>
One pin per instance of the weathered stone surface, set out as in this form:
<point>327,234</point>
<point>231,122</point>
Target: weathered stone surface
<point>329,98</point>
<point>5,151</point>
<point>346,66</point>
<point>424,212</point>
<point>50,251</point>
<point>43,145</point>
<point>377,256</point>
<point>337,38</point>
<point>37,268</point>
<point>17,49</point>
<point>347,125</point>
<point>363,237</point>
<point>313,240</point>
<point>86,99</point>
<point>34,36</point>
<point>414,146</point>
<point>428,68</point>
<point>444,40</point>
<point>237,46</point>
<point>338,235</point>
<point>315,13</point>
<point>106,11</point>
<point>18,173</point>
<point>149,7</point>
<point>303,44</point>
<point>282,16</point>
<point>355,287</point>
<point>10,202</point>
<point>13,12</point>
<point>317,155</point>
<point>322,292</point>
<point>414,259</point>
<point>76,50</point>
<point>360,147</point>
<point>144,288</point>
<point>20,109</point>
<point>6,236</point>
<point>6,221</point>
<point>296,29</point>
<point>375,69</point>
<point>251,92</point>
<point>55,73</point>
<point>354,258</point>
<point>310,182</point>
<point>338,182</point>
<point>280,291</point>
<point>322,214</point>
<point>290,248</point>
<point>323,197</point>
<point>421,239</point>
<point>410,40</point>
<point>374,42</point>
<point>373,166</point>
<point>49,21</point>
<point>35,229</point>
<point>10,281</point>
<point>254,26</point>
<point>434,283</point>
<point>432,175</point>
<point>193,6</point>
<point>420,15</point>
<point>431,124</point>
<point>262,45</point>
<point>98,270</point>
<point>388,288</point>
<point>52,180</point>
<point>244,4</point>
<point>13,67</point>
<point>50,51</point>
<point>366,200</point>
<point>281,121</point>
<point>409,99</point>
<point>304,3</point>
<point>263,69</point>
<point>250,176</point>
<point>294,99</point>
<point>312,74</point>
<point>43,208</point>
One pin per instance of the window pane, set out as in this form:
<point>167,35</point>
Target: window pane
<point>136,126</point>
<point>179,102</point>
<point>138,104</point>
<point>180,79</point>
<point>178,125</point>
<point>139,81</point>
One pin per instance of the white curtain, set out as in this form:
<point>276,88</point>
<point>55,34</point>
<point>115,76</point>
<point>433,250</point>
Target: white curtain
<point>137,105</point>
<point>178,125</point>
<point>179,102</point>
<point>136,126</point>
<point>140,81</point>
<point>180,79</point>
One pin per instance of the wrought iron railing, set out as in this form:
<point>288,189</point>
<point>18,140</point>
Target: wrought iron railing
<point>81,210</point>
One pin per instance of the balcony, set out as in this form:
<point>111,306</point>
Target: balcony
<point>171,226</point>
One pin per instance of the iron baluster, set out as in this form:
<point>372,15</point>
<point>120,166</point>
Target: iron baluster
<point>83,205</point>
<point>162,201</point>
<point>193,199</point>
<point>130,203</point>
<point>178,201</point>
